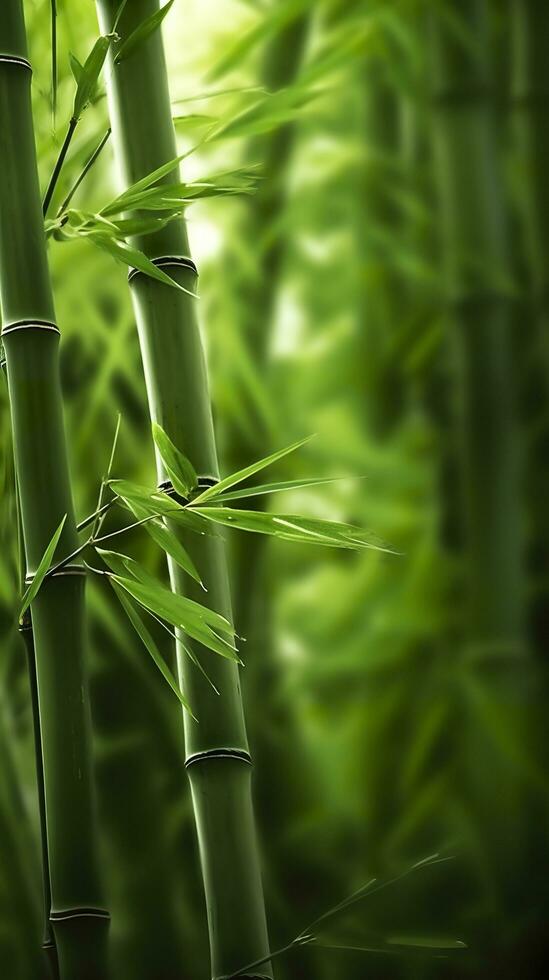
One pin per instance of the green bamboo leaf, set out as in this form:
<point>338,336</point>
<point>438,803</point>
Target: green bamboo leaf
<point>89,75</point>
<point>238,477</point>
<point>53,20</point>
<point>292,527</point>
<point>142,32</point>
<point>169,543</point>
<point>122,565</point>
<point>77,67</point>
<point>271,112</point>
<point>149,643</point>
<point>118,204</point>
<point>426,942</point>
<point>175,196</point>
<point>40,574</point>
<point>280,14</point>
<point>136,259</point>
<point>180,469</point>
<point>197,621</point>
<point>265,488</point>
<point>154,503</point>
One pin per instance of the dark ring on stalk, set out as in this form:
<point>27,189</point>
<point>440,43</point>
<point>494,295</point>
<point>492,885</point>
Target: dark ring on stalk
<point>167,260</point>
<point>79,913</point>
<point>239,754</point>
<point>31,325</point>
<point>16,59</point>
<point>68,569</point>
<point>203,483</point>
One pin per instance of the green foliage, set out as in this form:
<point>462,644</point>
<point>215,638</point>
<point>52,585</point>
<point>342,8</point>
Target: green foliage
<point>141,33</point>
<point>42,570</point>
<point>375,722</point>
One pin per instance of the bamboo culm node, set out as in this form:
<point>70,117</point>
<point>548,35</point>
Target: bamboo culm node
<point>165,261</point>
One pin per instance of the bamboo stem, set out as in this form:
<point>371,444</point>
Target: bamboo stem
<point>31,338</point>
<point>216,748</point>
<point>473,224</point>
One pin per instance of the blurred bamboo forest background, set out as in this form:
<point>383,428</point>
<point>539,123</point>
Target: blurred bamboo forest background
<point>385,286</point>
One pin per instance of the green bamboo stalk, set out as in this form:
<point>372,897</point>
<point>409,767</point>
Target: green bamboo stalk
<point>217,753</point>
<point>30,337</point>
<point>473,224</point>
<point>530,129</point>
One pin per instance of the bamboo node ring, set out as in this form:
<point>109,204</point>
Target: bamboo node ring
<point>203,483</point>
<point>15,59</point>
<point>63,915</point>
<point>47,325</point>
<point>69,569</point>
<point>239,754</point>
<point>164,261</point>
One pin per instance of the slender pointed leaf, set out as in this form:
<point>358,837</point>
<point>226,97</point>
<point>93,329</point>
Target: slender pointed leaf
<point>238,477</point>
<point>40,574</point>
<point>197,621</point>
<point>142,32</point>
<point>89,75</point>
<point>181,471</point>
<point>133,257</point>
<point>149,643</point>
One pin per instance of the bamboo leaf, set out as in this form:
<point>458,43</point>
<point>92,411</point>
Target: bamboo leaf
<point>40,574</point>
<point>238,477</point>
<point>426,942</point>
<point>173,547</point>
<point>174,196</point>
<point>89,75</point>
<point>181,471</point>
<point>136,259</point>
<point>154,503</point>
<point>292,527</point>
<point>265,488</point>
<point>53,19</point>
<point>149,643</point>
<point>197,621</point>
<point>169,543</point>
<point>76,67</point>
<point>118,204</point>
<point>142,32</point>
<point>122,565</point>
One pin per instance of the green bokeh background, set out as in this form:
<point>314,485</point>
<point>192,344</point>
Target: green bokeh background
<point>383,726</point>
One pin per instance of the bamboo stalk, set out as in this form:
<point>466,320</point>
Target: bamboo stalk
<point>473,223</point>
<point>530,118</point>
<point>217,753</point>
<point>30,338</point>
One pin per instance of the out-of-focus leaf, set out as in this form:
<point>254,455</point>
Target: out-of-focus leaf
<point>142,32</point>
<point>273,21</point>
<point>272,111</point>
<point>40,574</point>
<point>149,643</point>
<point>181,471</point>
